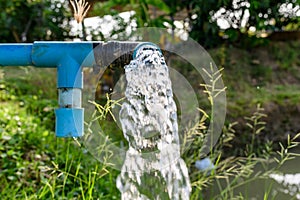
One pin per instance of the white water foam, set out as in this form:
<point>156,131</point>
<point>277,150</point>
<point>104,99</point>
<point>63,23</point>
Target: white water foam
<point>152,168</point>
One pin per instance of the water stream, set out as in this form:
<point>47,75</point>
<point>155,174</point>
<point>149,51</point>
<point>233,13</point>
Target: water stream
<point>152,168</point>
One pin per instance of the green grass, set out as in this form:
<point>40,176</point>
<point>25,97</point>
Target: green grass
<point>268,75</point>
<point>35,164</point>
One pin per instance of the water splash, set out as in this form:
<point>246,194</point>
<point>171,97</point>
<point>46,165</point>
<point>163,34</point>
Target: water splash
<point>152,168</point>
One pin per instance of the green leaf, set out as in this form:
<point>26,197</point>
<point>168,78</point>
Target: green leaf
<point>159,4</point>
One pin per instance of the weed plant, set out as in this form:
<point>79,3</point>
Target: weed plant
<point>33,163</point>
<point>234,168</point>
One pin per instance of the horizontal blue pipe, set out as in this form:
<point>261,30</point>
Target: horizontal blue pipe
<point>52,54</point>
<point>46,54</point>
<point>15,54</point>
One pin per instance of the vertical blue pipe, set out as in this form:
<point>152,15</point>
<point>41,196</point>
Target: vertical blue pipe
<point>69,73</point>
<point>68,57</point>
<point>69,120</point>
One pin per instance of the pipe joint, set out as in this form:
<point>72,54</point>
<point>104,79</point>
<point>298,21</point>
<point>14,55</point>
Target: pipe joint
<point>69,58</point>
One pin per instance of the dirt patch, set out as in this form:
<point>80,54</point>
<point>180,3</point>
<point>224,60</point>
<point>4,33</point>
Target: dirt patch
<point>282,120</point>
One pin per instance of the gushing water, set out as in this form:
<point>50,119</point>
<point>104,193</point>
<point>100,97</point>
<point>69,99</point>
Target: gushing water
<point>152,168</point>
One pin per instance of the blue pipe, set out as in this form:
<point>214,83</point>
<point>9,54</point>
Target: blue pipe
<point>50,54</point>
<point>15,54</point>
<point>68,58</point>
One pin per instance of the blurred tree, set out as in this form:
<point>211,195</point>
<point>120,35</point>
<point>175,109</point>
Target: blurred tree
<point>249,19</point>
<point>27,21</point>
<point>146,12</point>
<point>210,21</point>
<point>270,15</point>
<point>202,27</point>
